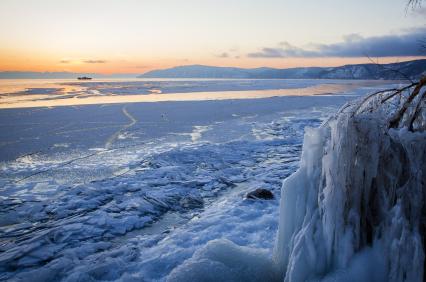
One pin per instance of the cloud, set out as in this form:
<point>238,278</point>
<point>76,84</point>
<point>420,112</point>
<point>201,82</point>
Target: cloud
<point>94,61</point>
<point>284,50</point>
<point>230,53</point>
<point>64,61</point>
<point>223,55</point>
<point>353,45</point>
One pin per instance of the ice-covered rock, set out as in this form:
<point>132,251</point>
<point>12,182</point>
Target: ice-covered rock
<point>354,210</point>
<point>260,193</point>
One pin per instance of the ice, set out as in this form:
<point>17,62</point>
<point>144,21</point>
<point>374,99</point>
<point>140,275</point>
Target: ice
<point>184,179</point>
<point>135,90</point>
<point>153,203</point>
<point>197,85</point>
<point>352,211</point>
<point>225,261</point>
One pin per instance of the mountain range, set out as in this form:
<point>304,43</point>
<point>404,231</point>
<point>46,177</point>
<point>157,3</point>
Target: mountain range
<point>403,70</point>
<point>409,69</point>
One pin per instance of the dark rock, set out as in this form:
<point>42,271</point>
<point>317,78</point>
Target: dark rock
<point>260,194</point>
<point>191,202</point>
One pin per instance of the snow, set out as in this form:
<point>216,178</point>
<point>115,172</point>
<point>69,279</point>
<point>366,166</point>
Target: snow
<point>163,199</point>
<point>225,261</point>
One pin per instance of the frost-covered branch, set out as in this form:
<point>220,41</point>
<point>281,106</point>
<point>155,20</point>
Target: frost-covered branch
<point>394,122</point>
<point>410,99</point>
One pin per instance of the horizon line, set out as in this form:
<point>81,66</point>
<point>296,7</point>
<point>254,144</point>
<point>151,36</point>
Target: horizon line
<point>206,65</point>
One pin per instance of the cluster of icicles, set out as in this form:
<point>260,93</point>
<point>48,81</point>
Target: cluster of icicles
<point>355,210</point>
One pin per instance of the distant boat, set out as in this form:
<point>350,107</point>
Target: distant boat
<point>84,78</point>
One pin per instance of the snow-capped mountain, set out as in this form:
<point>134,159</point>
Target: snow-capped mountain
<point>403,70</point>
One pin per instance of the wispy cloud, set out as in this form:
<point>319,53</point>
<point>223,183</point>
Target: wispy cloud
<point>223,55</point>
<point>284,50</point>
<point>230,53</point>
<point>94,61</point>
<point>64,61</point>
<point>353,45</point>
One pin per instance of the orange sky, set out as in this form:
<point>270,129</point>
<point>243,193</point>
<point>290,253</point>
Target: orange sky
<point>135,36</point>
<point>44,62</point>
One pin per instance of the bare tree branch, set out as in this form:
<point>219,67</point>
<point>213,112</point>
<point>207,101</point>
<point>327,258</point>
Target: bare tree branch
<point>394,122</point>
<point>413,4</point>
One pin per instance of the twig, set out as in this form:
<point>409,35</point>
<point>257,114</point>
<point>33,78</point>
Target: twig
<point>397,117</point>
<point>395,92</point>
<point>416,111</point>
<point>398,91</point>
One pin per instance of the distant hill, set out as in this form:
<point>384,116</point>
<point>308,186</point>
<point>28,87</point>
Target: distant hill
<point>412,69</point>
<point>58,75</point>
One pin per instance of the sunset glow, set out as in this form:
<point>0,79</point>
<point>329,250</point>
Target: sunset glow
<point>138,36</point>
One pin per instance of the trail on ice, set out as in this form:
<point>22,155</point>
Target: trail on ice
<point>113,137</point>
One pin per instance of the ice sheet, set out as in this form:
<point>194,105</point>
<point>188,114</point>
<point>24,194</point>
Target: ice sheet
<point>132,191</point>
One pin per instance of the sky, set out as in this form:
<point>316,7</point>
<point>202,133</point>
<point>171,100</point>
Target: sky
<point>135,36</point>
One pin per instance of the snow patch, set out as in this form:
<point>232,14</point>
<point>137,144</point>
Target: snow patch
<point>222,260</point>
<point>198,131</point>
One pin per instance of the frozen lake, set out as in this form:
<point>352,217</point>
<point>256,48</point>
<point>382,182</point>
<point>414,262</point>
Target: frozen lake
<point>52,93</point>
<point>131,188</point>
